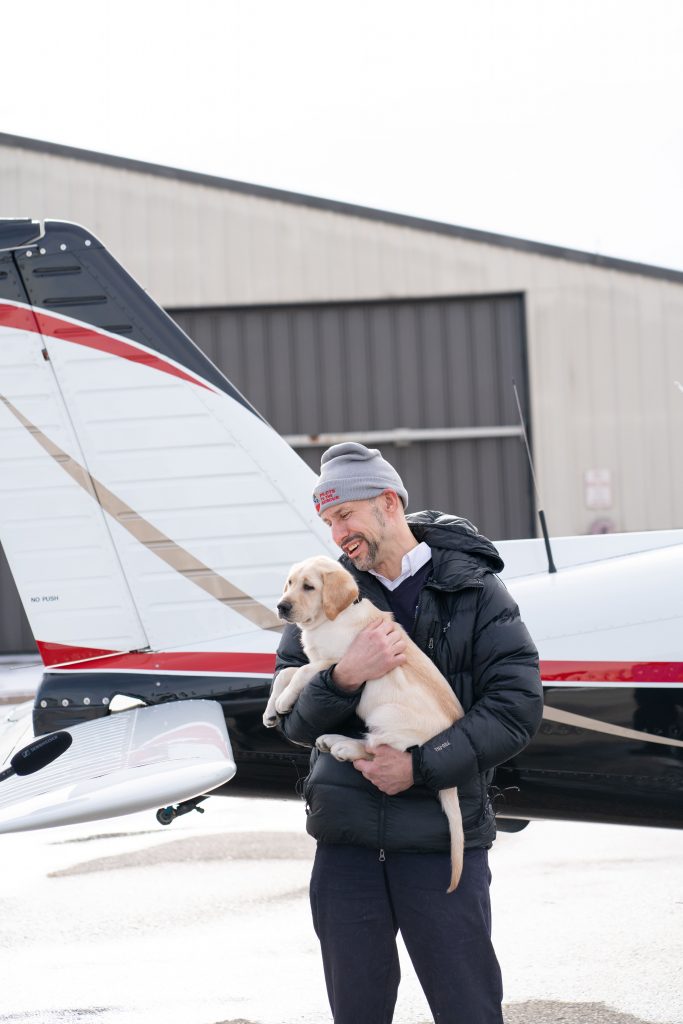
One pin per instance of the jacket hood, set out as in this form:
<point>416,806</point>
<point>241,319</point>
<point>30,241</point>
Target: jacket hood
<point>456,535</point>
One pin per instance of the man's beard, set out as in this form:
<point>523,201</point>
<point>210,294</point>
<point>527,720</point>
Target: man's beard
<point>369,560</point>
<point>365,560</point>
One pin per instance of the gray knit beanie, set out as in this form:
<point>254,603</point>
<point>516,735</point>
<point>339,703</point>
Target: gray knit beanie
<point>351,472</point>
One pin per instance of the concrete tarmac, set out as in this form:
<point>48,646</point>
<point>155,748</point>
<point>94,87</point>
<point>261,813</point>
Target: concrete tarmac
<point>207,922</point>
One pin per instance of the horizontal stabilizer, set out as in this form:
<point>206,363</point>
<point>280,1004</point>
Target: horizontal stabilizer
<point>135,760</point>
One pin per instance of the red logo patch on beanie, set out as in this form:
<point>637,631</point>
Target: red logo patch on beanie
<point>325,498</point>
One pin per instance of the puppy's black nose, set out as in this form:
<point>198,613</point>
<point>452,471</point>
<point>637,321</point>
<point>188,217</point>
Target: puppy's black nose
<point>284,608</point>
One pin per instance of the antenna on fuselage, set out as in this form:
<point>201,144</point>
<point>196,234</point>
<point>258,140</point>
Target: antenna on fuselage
<point>541,513</point>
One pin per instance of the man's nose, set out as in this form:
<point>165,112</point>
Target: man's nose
<point>339,533</point>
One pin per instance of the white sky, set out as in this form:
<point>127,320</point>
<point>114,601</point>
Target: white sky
<point>554,121</point>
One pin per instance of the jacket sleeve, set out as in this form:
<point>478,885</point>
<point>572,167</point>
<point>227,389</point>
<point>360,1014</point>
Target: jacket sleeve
<point>321,707</point>
<point>509,709</point>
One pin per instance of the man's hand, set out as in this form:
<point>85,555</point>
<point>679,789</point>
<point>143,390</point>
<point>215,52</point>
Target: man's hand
<point>390,770</point>
<point>374,652</point>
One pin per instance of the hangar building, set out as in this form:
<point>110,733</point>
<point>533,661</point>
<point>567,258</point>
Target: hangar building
<point>338,321</point>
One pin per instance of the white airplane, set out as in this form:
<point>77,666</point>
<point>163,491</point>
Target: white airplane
<point>150,515</point>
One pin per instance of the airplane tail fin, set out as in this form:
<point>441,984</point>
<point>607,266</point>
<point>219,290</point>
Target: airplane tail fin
<point>144,503</point>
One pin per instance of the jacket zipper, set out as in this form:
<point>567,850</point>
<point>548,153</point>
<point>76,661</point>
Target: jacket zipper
<point>433,585</point>
<point>430,641</point>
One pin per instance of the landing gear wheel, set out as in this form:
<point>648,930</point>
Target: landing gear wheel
<point>165,815</point>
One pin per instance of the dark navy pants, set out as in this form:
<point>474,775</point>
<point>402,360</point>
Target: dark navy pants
<point>359,903</point>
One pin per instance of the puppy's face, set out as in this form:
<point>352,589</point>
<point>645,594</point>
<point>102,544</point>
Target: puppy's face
<point>316,590</point>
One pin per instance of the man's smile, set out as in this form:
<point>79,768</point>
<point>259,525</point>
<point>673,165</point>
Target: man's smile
<point>351,546</point>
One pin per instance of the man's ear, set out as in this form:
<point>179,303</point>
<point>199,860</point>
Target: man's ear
<point>339,591</point>
<point>390,501</point>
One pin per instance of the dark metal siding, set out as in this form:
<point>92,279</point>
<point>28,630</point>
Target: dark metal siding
<point>15,632</point>
<point>377,366</point>
<point>367,366</point>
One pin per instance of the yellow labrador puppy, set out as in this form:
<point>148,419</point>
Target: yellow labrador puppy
<point>405,707</point>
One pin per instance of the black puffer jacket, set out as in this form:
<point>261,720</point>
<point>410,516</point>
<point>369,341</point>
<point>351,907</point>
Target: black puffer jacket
<point>469,624</point>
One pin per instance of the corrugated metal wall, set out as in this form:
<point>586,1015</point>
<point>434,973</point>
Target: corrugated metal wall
<point>377,366</point>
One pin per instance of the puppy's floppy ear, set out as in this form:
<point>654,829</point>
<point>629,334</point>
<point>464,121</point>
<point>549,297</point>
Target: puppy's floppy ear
<point>339,591</point>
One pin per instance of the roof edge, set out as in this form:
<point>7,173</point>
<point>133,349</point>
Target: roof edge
<point>348,209</point>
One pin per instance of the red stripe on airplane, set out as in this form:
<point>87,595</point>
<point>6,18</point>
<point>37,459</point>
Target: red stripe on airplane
<point>79,333</point>
<point>194,662</point>
<point>85,659</point>
<point>636,672</point>
<point>58,654</point>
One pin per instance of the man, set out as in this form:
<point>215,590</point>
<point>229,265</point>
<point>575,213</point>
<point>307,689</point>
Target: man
<point>382,861</point>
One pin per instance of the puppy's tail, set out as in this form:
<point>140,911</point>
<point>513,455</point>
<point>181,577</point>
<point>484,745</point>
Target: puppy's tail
<point>451,808</point>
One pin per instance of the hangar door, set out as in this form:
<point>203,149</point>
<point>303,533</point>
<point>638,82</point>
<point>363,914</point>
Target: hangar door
<point>428,381</point>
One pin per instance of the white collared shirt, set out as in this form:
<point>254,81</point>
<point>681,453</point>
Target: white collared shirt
<point>412,561</point>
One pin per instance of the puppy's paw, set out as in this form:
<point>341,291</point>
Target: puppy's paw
<point>341,747</point>
<point>284,703</point>
<point>269,718</point>
<point>284,677</point>
<point>348,750</point>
